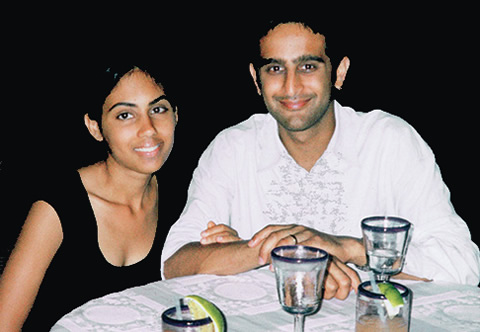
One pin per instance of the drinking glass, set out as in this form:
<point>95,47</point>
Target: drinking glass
<point>173,322</point>
<point>385,240</point>
<point>299,272</point>
<point>371,312</point>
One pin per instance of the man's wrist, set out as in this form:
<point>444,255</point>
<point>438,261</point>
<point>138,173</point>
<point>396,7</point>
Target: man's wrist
<point>354,251</point>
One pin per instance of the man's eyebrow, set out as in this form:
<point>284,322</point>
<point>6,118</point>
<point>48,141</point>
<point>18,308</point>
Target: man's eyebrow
<point>268,61</point>
<point>308,57</point>
<point>153,102</point>
<point>300,59</point>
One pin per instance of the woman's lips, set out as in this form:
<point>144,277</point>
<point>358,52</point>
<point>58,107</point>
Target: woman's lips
<point>148,151</point>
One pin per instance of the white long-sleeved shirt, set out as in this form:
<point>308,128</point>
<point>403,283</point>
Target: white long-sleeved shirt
<point>375,164</point>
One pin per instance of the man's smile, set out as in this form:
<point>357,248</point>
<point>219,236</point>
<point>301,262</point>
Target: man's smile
<point>294,103</point>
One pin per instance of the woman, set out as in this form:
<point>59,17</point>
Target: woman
<point>94,231</point>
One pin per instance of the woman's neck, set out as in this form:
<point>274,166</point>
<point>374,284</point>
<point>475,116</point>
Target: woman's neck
<point>123,186</point>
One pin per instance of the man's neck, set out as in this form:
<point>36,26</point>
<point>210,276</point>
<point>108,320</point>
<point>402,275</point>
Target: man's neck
<point>306,147</point>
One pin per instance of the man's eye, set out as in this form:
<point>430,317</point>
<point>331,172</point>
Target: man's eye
<point>308,67</point>
<point>274,69</point>
<point>124,116</point>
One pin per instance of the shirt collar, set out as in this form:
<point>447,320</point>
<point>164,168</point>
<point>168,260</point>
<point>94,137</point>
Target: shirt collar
<point>344,138</point>
<point>270,147</point>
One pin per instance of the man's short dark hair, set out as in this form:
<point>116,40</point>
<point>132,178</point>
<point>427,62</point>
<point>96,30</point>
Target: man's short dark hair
<point>322,24</point>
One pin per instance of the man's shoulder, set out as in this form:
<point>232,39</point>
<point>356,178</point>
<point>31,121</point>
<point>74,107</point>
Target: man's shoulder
<point>247,130</point>
<point>374,122</point>
<point>380,129</point>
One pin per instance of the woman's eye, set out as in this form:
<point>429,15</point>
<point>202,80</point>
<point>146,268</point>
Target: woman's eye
<point>124,116</point>
<point>159,110</point>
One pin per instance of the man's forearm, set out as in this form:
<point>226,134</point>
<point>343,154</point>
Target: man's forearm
<point>216,258</point>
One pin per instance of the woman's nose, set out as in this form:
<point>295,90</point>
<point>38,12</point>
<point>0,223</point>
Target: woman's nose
<point>147,127</point>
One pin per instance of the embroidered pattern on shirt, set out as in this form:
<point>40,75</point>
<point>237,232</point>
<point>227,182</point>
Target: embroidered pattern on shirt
<point>314,199</point>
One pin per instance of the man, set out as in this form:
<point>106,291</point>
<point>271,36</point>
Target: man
<point>308,172</point>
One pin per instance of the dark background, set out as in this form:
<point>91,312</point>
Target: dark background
<point>421,66</point>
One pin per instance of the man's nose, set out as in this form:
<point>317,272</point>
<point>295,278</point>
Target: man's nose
<point>293,84</point>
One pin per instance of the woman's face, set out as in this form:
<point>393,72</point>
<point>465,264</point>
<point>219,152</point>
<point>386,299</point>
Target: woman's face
<point>138,123</point>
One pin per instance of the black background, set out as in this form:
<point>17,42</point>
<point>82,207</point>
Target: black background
<point>419,65</point>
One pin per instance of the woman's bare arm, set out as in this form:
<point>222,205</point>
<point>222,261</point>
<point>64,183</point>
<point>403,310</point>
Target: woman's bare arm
<point>38,242</point>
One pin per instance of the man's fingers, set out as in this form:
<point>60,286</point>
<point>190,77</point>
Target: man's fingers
<point>261,235</point>
<point>351,273</point>
<point>330,287</point>
<point>218,234</point>
<point>224,237</point>
<point>216,229</point>
<point>338,282</point>
<point>275,239</point>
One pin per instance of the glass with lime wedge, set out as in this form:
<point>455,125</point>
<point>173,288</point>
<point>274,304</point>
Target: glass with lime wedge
<point>384,309</point>
<point>196,314</point>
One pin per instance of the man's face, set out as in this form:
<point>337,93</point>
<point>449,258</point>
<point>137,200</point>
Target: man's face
<point>296,77</point>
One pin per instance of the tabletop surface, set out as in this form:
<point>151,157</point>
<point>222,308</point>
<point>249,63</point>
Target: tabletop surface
<point>249,301</point>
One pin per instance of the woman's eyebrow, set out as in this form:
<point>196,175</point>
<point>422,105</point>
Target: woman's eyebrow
<point>122,104</point>
<point>153,102</point>
<point>126,104</point>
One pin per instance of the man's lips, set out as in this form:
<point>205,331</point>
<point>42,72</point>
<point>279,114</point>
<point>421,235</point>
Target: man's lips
<point>294,104</point>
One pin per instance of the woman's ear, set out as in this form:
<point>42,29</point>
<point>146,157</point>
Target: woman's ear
<point>93,128</point>
<point>342,72</point>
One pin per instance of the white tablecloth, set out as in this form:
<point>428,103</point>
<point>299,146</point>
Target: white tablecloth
<point>250,303</point>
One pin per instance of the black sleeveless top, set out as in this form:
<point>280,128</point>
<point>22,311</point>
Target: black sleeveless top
<point>79,272</point>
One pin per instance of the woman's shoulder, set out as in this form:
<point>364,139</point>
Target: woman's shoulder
<point>89,177</point>
<point>56,184</point>
<point>62,190</point>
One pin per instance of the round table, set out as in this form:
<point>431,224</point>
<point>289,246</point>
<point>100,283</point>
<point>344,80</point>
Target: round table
<point>249,302</point>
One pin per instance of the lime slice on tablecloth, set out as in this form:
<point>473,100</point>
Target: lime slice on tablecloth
<point>394,299</point>
<point>201,308</point>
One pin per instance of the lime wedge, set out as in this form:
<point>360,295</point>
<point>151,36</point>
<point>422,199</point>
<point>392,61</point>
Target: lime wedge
<point>394,299</point>
<point>391,293</point>
<point>201,308</point>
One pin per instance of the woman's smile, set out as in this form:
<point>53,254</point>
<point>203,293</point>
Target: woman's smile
<point>148,150</point>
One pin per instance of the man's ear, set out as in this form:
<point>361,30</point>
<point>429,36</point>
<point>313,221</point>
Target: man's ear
<point>342,72</point>
<point>253,72</point>
<point>93,128</point>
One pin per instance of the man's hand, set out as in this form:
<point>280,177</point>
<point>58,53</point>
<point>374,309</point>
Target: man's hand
<point>346,249</point>
<point>340,279</point>
<point>218,234</point>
